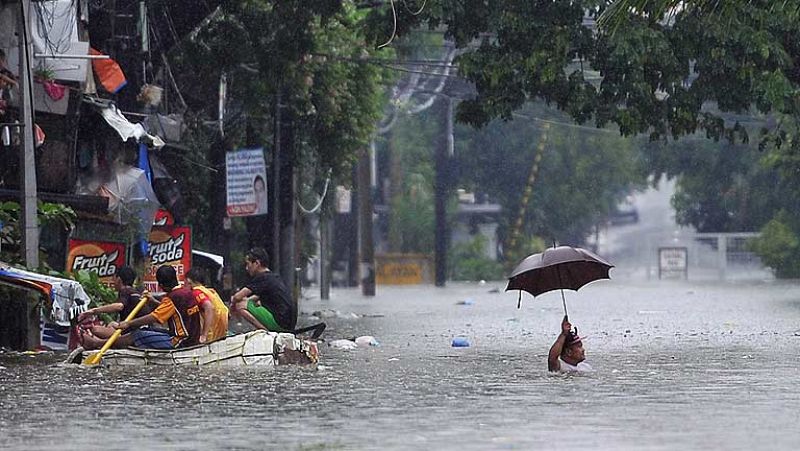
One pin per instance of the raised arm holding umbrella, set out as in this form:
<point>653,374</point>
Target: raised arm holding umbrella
<point>560,268</point>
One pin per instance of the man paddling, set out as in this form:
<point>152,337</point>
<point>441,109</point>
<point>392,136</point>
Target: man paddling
<point>178,307</point>
<point>567,354</point>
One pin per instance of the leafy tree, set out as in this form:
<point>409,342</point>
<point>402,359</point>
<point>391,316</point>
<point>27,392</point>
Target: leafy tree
<point>581,176</point>
<point>48,214</point>
<point>312,56</point>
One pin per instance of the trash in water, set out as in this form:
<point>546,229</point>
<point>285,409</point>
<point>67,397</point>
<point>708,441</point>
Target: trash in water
<point>460,342</point>
<point>494,290</point>
<point>465,302</point>
<point>343,344</point>
<point>366,340</point>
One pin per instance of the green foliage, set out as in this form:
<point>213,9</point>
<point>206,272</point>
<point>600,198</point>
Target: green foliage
<point>779,246</point>
<point>581,176</point>
<point>313,56</point>
<point>468,261</point>
<point>48,214</point>
<point>411,226</point>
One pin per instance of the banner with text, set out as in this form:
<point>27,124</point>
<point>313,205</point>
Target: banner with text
<point>246,175</point>
<point>101,257</point>
<point>169,245</point>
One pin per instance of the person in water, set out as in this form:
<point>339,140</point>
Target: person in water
<point>567,354</point>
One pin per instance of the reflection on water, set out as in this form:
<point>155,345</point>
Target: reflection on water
<point>677,367</point>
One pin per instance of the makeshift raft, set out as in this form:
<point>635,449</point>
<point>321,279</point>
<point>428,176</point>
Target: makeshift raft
<point>259,347</point>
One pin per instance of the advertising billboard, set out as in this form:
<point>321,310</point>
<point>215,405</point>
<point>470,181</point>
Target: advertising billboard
<point>169,245</point>
<point>101,257</point>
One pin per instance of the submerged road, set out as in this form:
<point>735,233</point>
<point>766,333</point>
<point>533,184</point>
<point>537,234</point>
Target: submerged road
<point>678,366</point>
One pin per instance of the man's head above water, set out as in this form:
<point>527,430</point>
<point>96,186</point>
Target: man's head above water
<point>572,352</point>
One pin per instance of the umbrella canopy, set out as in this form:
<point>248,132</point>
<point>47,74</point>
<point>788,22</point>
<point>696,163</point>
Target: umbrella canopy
<point>562,267</point>
<point>131,198</point>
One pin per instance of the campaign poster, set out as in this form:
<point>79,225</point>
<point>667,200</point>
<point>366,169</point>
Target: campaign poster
<point>246,176</point>
<point>101,257</point>
<point>169,245</point>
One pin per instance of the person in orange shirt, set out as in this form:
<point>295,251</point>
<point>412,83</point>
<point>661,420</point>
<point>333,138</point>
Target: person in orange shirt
<point>215,327</point>
<point>179,308</point>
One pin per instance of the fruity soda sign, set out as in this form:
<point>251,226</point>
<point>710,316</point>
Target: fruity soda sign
<point>169,245</point>
<point>101,257</point>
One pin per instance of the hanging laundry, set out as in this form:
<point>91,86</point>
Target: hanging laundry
<point>39,135</point>
<point>54,90</point>
<point>108,72</point>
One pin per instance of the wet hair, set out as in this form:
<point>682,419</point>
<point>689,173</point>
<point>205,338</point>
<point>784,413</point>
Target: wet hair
<point>127,275</point>
<point>167,277</point>
<point>572,339</point>
<point>197,276</point>
<point>258,254</point>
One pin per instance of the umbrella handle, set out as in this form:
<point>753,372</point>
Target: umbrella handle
<point>564,301</point>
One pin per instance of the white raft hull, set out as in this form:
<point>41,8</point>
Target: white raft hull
<point>259,347</point>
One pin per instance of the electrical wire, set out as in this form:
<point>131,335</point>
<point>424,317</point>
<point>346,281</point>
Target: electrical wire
<point>394,27</point>
<point>321,198</point>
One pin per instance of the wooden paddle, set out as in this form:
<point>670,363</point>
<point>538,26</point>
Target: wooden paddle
<point>94,359</point>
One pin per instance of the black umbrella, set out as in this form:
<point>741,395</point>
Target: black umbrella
<point>558,268</point>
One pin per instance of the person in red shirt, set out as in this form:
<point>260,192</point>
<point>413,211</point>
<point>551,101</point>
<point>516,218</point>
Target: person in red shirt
<point>178,308</point>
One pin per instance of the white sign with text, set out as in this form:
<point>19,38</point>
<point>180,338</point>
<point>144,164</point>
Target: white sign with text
<point>246,175</point>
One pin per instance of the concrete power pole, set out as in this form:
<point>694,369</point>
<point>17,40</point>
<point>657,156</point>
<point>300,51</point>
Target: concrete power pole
<point>28,195</point>
<point>365,241</point>
<point>444,150</point>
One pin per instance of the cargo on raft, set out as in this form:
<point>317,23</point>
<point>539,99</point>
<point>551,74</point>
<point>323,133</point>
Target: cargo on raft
<point>256,348</point>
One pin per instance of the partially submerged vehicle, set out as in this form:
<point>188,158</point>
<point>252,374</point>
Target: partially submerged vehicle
<point>258,347</point>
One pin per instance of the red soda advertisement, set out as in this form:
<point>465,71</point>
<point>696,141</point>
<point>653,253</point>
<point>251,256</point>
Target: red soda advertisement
<point>163,217</point>
<point>169,245</point>
<point>101,257</point>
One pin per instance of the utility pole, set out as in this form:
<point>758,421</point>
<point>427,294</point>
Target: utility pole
<point>274,207</point>
<point>288,205</point>
<point>444,150</point>
<point>30,228</point>
<point>365,241</point>
<point>324,252</point>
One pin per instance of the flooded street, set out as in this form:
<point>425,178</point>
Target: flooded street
<point>678,366</point>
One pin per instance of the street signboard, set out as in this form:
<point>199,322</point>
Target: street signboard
<point>673,262</point>
<point>246,175</point>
